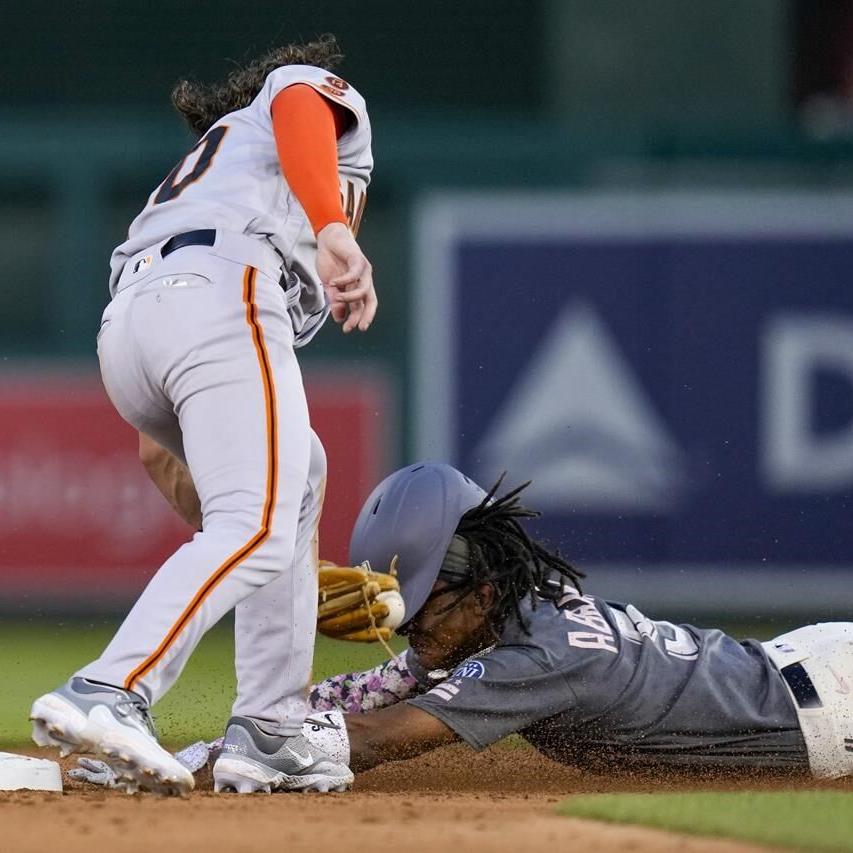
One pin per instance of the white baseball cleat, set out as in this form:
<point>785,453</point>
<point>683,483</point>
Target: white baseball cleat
<point>84,716</point>
<point>253,761</point>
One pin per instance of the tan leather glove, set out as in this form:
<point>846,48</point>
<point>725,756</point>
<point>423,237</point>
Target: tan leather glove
<point>358,604</point>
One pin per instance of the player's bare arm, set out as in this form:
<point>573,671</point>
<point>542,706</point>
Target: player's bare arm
<point>348,277</point>
<point>392,734</point>
<point>172,478</point>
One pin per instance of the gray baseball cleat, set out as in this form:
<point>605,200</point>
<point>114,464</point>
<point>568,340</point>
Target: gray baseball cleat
<point>252,760</point>
<point>85,716</point>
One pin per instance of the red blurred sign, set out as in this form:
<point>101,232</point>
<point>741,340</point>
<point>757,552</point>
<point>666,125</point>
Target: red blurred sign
<point>81,522</point>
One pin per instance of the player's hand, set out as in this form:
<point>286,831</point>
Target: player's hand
<point>94,772</point>
<point>347,276</point>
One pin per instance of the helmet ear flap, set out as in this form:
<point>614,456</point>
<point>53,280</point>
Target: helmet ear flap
<point>455,563</point>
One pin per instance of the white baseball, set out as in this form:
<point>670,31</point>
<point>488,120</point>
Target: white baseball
<point>396,609</point>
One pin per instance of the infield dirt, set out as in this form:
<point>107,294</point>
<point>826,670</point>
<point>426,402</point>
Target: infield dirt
<point>500,800</point>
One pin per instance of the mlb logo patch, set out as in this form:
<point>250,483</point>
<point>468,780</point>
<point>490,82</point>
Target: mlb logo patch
<point>470,669</point>
<point>142,263</point>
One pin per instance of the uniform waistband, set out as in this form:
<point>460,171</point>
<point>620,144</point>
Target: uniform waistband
<point>200,237</point>
<point>249,251</point>
<point>801,686</point>
<point>789,661</point>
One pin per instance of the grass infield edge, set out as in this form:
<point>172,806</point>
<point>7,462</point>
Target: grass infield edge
<point>811,820</point>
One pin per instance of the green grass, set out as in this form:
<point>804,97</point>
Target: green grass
<point>805,820</point>
<point>37,656</point>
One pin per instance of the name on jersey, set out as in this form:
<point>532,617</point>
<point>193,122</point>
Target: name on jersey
<point>581,609</point>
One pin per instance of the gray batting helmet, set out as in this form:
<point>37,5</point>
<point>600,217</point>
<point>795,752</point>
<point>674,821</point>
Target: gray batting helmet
<point>412,514</point>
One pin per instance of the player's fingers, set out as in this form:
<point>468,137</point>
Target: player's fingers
<point>371,303</point>
<point>357,293</point>
<point>362,311</point>
<point>360,290</point>
<point>356,309</point>
<point>337,309</point>
<point>356,266</point>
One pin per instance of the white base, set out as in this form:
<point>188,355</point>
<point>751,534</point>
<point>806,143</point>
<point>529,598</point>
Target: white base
<point>20,772</point>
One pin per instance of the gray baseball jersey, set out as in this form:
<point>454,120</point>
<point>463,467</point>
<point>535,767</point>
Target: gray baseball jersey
<point>243,190</point>
<point>597,684</point>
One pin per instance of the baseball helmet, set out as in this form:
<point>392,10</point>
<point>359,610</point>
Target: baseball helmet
<point>412,515</point>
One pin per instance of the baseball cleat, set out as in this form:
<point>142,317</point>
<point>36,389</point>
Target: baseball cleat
<point>253,761</point>
<point>84,716</point>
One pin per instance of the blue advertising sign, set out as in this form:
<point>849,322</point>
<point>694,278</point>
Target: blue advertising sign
<point>674,373</point>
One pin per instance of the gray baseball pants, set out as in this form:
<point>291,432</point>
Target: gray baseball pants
<point>198,354</point>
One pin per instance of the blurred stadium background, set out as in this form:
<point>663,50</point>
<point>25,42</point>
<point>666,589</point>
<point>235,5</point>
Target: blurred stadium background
<point>613,246</point>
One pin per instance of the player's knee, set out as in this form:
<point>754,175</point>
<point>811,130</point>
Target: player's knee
<point>237,525</point>
<point>272,546</point>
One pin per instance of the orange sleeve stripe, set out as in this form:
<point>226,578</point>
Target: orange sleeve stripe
<point>306,127</point>
<point>271,490</point>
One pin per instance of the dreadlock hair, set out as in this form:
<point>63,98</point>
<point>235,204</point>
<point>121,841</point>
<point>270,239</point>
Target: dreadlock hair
<point>202,106</point>
<point>502,554</point>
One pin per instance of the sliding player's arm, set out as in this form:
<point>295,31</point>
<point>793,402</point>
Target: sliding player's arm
<point>392,734</point>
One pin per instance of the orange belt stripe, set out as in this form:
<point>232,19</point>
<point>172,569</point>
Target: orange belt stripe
<point>271,489</point>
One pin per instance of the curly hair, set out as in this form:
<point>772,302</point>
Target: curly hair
<point>502,554</point>
<point>202,106</point>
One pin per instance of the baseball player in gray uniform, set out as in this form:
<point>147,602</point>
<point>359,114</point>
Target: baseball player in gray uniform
<point>503,641</point>
<point>234,263</point>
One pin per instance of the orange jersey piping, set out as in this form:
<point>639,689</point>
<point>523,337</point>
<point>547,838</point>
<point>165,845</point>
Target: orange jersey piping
<point>271,489</point>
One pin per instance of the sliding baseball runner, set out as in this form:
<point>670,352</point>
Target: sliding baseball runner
<point>503,641</point>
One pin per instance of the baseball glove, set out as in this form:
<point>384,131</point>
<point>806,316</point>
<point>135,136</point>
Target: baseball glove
<point>358,604</point>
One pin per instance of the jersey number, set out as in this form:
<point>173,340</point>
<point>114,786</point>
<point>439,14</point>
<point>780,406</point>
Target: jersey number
<point>207,147</point>
<point>675,640</point>
<point>353,203</point>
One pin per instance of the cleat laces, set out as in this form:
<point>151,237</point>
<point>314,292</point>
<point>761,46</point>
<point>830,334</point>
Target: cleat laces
<point>137,709</point>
